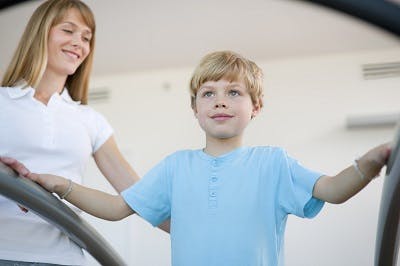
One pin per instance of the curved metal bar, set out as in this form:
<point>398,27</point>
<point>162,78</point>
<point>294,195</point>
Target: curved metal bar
<point>380,13</point>
<point>385,15</point>
<point>9,3</point>
<point>387,237</point>
<point>51,209</point>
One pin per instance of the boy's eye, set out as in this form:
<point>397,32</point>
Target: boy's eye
<point>234,93</point>
<point>208,94</point>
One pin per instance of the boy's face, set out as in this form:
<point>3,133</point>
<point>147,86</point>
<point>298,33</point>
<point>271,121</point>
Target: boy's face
<point>224,108</point>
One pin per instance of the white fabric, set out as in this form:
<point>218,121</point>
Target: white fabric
<point>57,139</point>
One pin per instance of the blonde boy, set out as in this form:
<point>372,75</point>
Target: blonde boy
<point>228,203</point>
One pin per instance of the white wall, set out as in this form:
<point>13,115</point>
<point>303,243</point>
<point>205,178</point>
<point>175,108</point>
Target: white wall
<point>307,101</point>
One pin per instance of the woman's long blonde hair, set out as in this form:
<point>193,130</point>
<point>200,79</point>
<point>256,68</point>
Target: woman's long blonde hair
<point>30,58</point>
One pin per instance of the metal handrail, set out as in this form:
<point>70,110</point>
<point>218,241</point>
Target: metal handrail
<point>32,196</point>
<point>381,13</point>
<point>386,15</point>
<point>387,237</point>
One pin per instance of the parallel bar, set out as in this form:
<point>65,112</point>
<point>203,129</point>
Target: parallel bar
<point>9,3</point>
<point>387,237</point>
<point>380,13</point>
<point>50,208</point>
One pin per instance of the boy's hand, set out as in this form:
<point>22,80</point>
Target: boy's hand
<point>15,165</point>
<point>52,183</point>
<point>375,159</point>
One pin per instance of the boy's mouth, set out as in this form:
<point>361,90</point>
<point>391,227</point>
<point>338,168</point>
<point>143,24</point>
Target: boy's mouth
<point>221,117</point>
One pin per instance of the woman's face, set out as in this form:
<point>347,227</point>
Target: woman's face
<point>68,44</point>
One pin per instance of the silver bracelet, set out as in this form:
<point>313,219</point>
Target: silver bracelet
<point>361,174</point>
<point>69,189</point>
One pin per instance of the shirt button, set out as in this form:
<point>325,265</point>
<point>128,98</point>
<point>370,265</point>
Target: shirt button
<point>212,204</point>
<point>213,193</point>
<point>214,179</point>
<point>214,162</point>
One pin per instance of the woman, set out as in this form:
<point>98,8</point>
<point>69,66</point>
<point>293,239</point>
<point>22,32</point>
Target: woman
<point>46,125</point>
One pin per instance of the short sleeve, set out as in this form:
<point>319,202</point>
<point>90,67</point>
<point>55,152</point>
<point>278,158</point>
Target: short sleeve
<point>296,185</point>
<point>99,128</point>
<point>150,196</point>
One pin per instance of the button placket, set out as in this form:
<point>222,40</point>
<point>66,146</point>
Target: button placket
<point>49,136</point>
<point>213,186</point>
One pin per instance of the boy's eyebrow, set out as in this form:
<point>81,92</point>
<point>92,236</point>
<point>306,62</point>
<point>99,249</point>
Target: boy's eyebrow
<point>205,87</point>
<point>233,84</point>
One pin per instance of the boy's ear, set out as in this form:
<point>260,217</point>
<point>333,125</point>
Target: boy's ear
<point>194,110</point>
<point>256,110</point>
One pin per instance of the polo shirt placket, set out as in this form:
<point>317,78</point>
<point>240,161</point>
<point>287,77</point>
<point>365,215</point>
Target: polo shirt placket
<point>49,127</point>
<point>213,184</point>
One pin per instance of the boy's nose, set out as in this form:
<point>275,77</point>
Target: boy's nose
<point>220,105</point>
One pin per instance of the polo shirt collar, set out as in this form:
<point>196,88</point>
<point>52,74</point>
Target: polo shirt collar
<point>22,90</point>
<point>19,91</point>
<point>224,157</point>
<point>66,97</point>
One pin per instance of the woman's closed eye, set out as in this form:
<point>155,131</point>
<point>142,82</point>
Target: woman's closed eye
<point>67,31</point>
<point>86,39</point>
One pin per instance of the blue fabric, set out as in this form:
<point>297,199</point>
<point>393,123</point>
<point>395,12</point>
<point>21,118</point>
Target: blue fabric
<point>226,210</point>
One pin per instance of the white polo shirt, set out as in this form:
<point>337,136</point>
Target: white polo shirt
<point>57,138</point>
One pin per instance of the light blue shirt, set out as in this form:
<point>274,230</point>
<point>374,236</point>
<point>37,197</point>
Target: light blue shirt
<point>226,210</point>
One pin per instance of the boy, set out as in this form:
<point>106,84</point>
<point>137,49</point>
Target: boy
<point>228,203</point>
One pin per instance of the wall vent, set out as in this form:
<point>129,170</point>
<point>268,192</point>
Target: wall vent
<point>381,70</point>
<point>373,121</point>
<point>99,95</point>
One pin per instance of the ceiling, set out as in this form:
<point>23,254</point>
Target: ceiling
<point>135,35</point>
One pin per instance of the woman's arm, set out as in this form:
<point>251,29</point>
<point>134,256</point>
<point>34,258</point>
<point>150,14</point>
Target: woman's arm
<point>117,170</point>
<point>114,167</point>
<point>337,189</point>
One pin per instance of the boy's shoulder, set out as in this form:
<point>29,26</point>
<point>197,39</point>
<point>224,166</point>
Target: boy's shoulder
<point>183,153</point>
<point>268,150</point>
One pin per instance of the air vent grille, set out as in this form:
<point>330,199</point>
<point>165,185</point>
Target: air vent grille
<point>373,121</point>
<point>381,70</point>
<point>97,95</point>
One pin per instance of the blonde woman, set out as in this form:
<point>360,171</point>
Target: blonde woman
<point>46,126</point>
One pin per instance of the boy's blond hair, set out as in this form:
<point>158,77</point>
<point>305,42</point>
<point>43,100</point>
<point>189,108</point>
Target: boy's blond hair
<point>231,66</point>
<point>30,58</point>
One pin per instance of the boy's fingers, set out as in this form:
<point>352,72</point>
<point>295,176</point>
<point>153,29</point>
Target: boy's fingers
<point>15,165</point>
<point>33,176</point>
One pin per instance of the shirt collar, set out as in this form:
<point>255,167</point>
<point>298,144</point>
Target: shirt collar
<point>66,97</point>
<point>22,90</point>
<point>19,91</point>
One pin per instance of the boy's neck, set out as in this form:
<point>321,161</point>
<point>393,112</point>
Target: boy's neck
<point>217,147</point>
